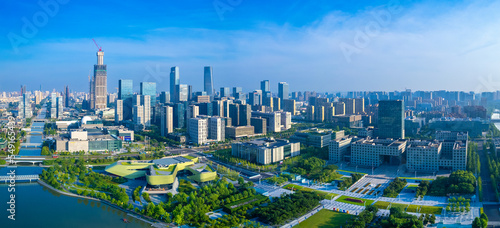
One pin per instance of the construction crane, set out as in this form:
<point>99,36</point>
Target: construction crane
<point>100,49</point>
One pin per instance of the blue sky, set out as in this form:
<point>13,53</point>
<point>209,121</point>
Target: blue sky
<point>313,45</point>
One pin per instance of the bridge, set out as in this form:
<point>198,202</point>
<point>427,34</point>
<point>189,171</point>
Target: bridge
<point>5,179</point>
<point>27,145</point>
<point>32,160</point>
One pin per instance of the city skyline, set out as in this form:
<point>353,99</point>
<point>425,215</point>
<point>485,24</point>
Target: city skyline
<point>418,44</point>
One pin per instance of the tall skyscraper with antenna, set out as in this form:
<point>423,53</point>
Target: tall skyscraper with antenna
<point>99,82</point>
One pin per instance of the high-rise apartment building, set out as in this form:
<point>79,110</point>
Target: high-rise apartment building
<point>146,103</point>
<point>118,111</point>
<point>167,120</point>
<point>25,107</point>
<point>138,111</point>
<point>198,130</point>
<point>216,128</point>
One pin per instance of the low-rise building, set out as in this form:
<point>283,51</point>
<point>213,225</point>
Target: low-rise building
<point>314,137</point>
<point>375,152</point>
<point>239,132</point>
<point>339,149</point>
<point>265,151</point>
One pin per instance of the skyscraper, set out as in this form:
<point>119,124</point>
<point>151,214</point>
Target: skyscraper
<point>179,112</point>
<point>225,92</point>
<point>100,83</point>
<point>125,93</point>
<point>146,103</point>
<point>283,90</point>
<point>125,89</point>
<point>149,88</point>
<point>391,119</point>
<point>236,91</point>
<point>24,109</point>
<point>59,107</point>
<point>167,120</point>
<point>118,111</point>
<point>208,80</point>
<point>264,86</point>
<point>174,82</point>
<point>164,97</point>
<point>66,96</point>
<point>182,93</point>
<point>138,114</point>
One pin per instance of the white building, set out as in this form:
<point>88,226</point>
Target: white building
<point>375,152</point>
<point>119,111</point>
<point>286,120</point>
<point>448,151</point>
<point>138,113</point>
<point>265,151</point>
<point>339,148</point>
<point>146,103</point>
<point>166,120</point>
<point>216,129</point>
<point>273,120</point>
<point>198,130</point>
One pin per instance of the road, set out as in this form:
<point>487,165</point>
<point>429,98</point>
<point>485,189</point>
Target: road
<point>488,191</point>
<point>491,210</point>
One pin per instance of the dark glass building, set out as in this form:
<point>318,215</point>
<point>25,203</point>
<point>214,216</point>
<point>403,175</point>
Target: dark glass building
<point>391,119</point>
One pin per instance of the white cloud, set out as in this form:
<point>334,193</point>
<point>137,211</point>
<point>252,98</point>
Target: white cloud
<point>420,48</point>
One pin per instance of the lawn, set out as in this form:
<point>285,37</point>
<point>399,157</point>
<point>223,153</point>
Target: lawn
<point>189,157</point>
<point>413,178</point>
<point>384,205</point>
<point>325,195</point>
<point>325,218</point>
<point>425,209</point>
<point>343,199</point>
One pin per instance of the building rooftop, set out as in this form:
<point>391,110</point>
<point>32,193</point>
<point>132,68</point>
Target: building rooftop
<point>267,142</point>
<point>164,162</point>
<point>381,142</point>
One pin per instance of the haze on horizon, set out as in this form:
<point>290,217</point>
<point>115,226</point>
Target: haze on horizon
<point>323,46</point>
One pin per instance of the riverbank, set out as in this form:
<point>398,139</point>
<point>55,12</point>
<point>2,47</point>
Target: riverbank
<point>131,213</point>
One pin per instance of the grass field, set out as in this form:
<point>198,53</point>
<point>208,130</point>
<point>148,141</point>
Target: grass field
<point>384,205</point>
<point>325,218</point>
<point>325,195</point>
<point>425,209</point>
<point>411,208</point>
<point>343,200</point>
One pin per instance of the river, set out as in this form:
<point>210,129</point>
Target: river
<point>496,116</point>
<point>38,206</point>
